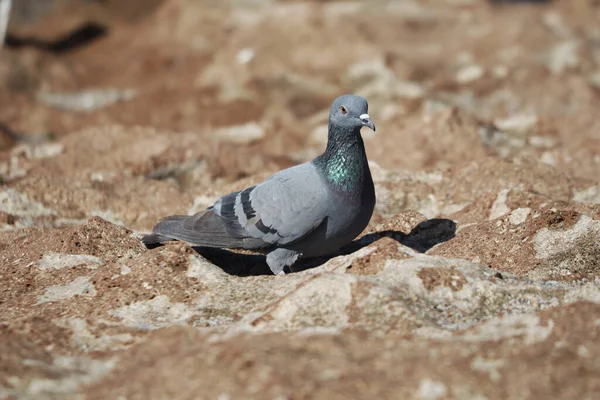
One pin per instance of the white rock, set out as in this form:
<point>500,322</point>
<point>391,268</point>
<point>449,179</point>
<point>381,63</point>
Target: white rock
<point>499,207</point>
<point>65,382</point>
<point>548,158</point>
<point>374,78</point>
<point>431,390</point>
<point>15,203</point>
<point>590,195</point>
<point>469,73</point>
<point>528,327</point>
<point>153,314</point>
<point>205,271</point>
<point>563,56</point>
<point>517,123</point>
<point>549,243</point>
<point>85,100</point>
<point>80,286</point>
<point>491,367</point>
<point>369,70</point>
<point>56,261</point>
<point>245,55</point>
<point>327,296</point>
<point>553,20</point>
<point>518,216</point>
<point>409,90</point>
<point>541,142</point>
<point>454,208</point>
<point>241,134</point>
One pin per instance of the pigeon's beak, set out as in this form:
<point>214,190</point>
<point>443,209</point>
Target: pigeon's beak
<point>366,121</point>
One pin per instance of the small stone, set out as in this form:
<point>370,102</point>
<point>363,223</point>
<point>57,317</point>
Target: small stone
<point>541,142</point>
<point>15,203</point>
<point>590,195</point>
<point>431,390</point>
<point>517,124</point>
<point>245,55</point>
<point>562,57</point>
<point>56,261</point>
<point>548,158</point>
<point>409,90</point>
<point>554,21</point>
<point>499,207</point>
<point>469,73</point>
<point>81,286</point>
<point>368,71</point>
<point>518,216</point>
<point>85,100</point>
<point>46,150</point>
<point>241,134</point>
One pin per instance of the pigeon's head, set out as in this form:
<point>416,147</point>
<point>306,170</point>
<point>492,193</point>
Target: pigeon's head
<point>350,111</point>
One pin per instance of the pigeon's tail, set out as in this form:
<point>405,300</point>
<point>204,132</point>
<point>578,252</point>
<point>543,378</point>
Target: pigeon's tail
<point>202,229</point>
<point>153,240</point>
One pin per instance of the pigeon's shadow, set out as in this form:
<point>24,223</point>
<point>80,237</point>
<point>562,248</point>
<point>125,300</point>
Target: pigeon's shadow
<point>83,35</point>
<point>422,238</point>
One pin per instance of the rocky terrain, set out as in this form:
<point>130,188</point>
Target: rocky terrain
<point>478,277</point>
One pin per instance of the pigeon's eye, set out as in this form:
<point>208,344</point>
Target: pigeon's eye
<point>343,110</point>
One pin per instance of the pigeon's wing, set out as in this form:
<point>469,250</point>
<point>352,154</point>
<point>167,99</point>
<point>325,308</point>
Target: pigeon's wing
<point>202,229</point>
<point>283,209</point>
<point>286,207</point>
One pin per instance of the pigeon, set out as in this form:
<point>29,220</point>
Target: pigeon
<point>305,211</point>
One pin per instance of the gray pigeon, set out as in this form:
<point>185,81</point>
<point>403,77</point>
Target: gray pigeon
<point>308,210</point>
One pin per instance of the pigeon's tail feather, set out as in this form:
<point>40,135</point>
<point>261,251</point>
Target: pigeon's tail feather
<point>205,229</point>
<point>152,240</point>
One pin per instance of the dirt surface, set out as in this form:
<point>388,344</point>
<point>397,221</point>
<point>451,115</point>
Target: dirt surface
<point>477,278</point>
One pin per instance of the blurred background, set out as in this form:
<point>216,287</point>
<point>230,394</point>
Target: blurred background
<point>201,92</point>
<point>114,114</point>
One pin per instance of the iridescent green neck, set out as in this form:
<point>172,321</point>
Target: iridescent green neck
<point>344,163</point>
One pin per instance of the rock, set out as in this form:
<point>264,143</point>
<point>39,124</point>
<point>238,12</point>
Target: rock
<point>87,100</point>
<point>589,195</point>
<point>563,56</point>
<point>374,79</point>
<point>520,124</point>
<point>408,90</point>
<point>554,21</point>
<point>79,287</point>
<point>469,73</point>
<point>241,134</point>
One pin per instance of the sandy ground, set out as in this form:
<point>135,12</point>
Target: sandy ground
<point>478,277</point>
